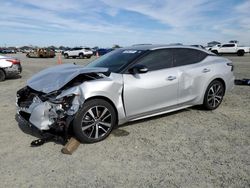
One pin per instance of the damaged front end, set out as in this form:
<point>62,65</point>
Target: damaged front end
<point>45,111</point>
<point>52,110</point>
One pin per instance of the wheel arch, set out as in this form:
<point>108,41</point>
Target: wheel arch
<point>109,101</point>
<point>4,72</point>
<point>201,99</point>
<point>221,80</point>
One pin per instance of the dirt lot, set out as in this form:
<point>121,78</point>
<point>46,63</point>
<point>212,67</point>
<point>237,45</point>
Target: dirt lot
<point>189,148</point>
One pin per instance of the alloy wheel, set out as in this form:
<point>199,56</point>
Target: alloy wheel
<point>215,95</point>
<point>96,122</point>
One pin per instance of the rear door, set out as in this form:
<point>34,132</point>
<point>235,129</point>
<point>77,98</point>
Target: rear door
<point>155,90</point>
<point>193,73</point>
<point>228,48</point>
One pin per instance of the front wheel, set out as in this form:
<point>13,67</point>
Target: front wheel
<point>81,56</point>
<point>215,52</point>
<point>214,95</point>
<point>66,56</point>
<point>95,121</point>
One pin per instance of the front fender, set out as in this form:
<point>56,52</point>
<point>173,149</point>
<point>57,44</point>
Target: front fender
<point>108,87</point>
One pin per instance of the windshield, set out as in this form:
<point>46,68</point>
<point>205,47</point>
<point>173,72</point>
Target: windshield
<point>116,59</point>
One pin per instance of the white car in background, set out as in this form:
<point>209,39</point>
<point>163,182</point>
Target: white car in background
<point>230,48</point>
<point>9,67</point>
<point>78,52</point>
<point>213,47</point>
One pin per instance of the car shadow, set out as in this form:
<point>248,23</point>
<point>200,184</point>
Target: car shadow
<point>14,77</point>
<point>118,131</point>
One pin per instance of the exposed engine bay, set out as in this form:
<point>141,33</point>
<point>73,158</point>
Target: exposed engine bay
<point>44,110</point>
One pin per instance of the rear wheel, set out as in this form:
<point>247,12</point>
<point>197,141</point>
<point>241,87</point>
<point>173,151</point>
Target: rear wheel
<point>2,75</point>
<point>81,56</point>
<point>240,53</point>
<point>94,121</point>
<point>66,56</point>
<point>214,95</point>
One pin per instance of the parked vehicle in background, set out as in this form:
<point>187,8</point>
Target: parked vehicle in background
<point>124,85</point>
<point>41,53</point>
<point>217,46</point>
<point>230,48</point>
<point>103,51</point>
<point>78,52</point>
<point>7,51</point>
<point>198,46</point>
<point>9,67</point>
<point>27,50</point>
<point>58,51</point>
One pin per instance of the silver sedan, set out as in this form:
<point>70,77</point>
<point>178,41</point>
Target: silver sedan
<point>124,85</point>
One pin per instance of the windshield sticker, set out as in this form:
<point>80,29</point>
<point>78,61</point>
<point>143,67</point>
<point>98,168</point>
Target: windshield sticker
<point>129,51</point>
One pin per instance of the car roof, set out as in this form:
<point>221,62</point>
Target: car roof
<point>163,46</point>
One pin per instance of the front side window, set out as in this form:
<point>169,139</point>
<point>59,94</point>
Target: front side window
<point>186,56</point>
<point>158,59</point>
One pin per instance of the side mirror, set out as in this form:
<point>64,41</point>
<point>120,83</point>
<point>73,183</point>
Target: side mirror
<point>138,69</point>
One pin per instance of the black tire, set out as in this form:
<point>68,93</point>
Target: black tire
<point>240,53</point>
<point>95,121</point>
<point>214,95</point>
<point>2,75</point>
<point>88,57</point>
<point>215,51</point>
<point>66,56</point>
<point>81,56</point>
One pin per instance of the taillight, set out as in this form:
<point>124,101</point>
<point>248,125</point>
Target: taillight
<point>232,65</point>
<point>14,61</point>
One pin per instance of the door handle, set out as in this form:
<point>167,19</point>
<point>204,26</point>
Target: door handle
<point>206,70</point>
<point>170,78</point>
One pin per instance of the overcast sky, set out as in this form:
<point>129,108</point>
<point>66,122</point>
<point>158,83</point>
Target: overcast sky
<point>107,22</point>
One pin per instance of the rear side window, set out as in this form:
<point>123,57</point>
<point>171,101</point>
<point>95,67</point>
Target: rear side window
<point>158,59</point>
<point>186,56</point>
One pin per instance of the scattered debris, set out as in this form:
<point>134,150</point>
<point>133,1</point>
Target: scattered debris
<point>48,137</point>
<point>242,82</point>
<point>71,146</point>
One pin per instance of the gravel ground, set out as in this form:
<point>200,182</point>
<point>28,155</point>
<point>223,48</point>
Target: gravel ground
<point>188,148</point>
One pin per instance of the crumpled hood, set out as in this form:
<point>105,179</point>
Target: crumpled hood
<point>56,77</point>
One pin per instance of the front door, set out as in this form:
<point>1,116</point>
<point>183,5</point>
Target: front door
<point>148,93</point>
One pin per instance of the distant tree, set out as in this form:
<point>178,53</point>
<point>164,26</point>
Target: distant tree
<point>116,46</point>
<point>52,47</point>
<point>61,47</point>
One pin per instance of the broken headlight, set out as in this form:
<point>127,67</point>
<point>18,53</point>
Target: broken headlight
<point>65,101</point>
